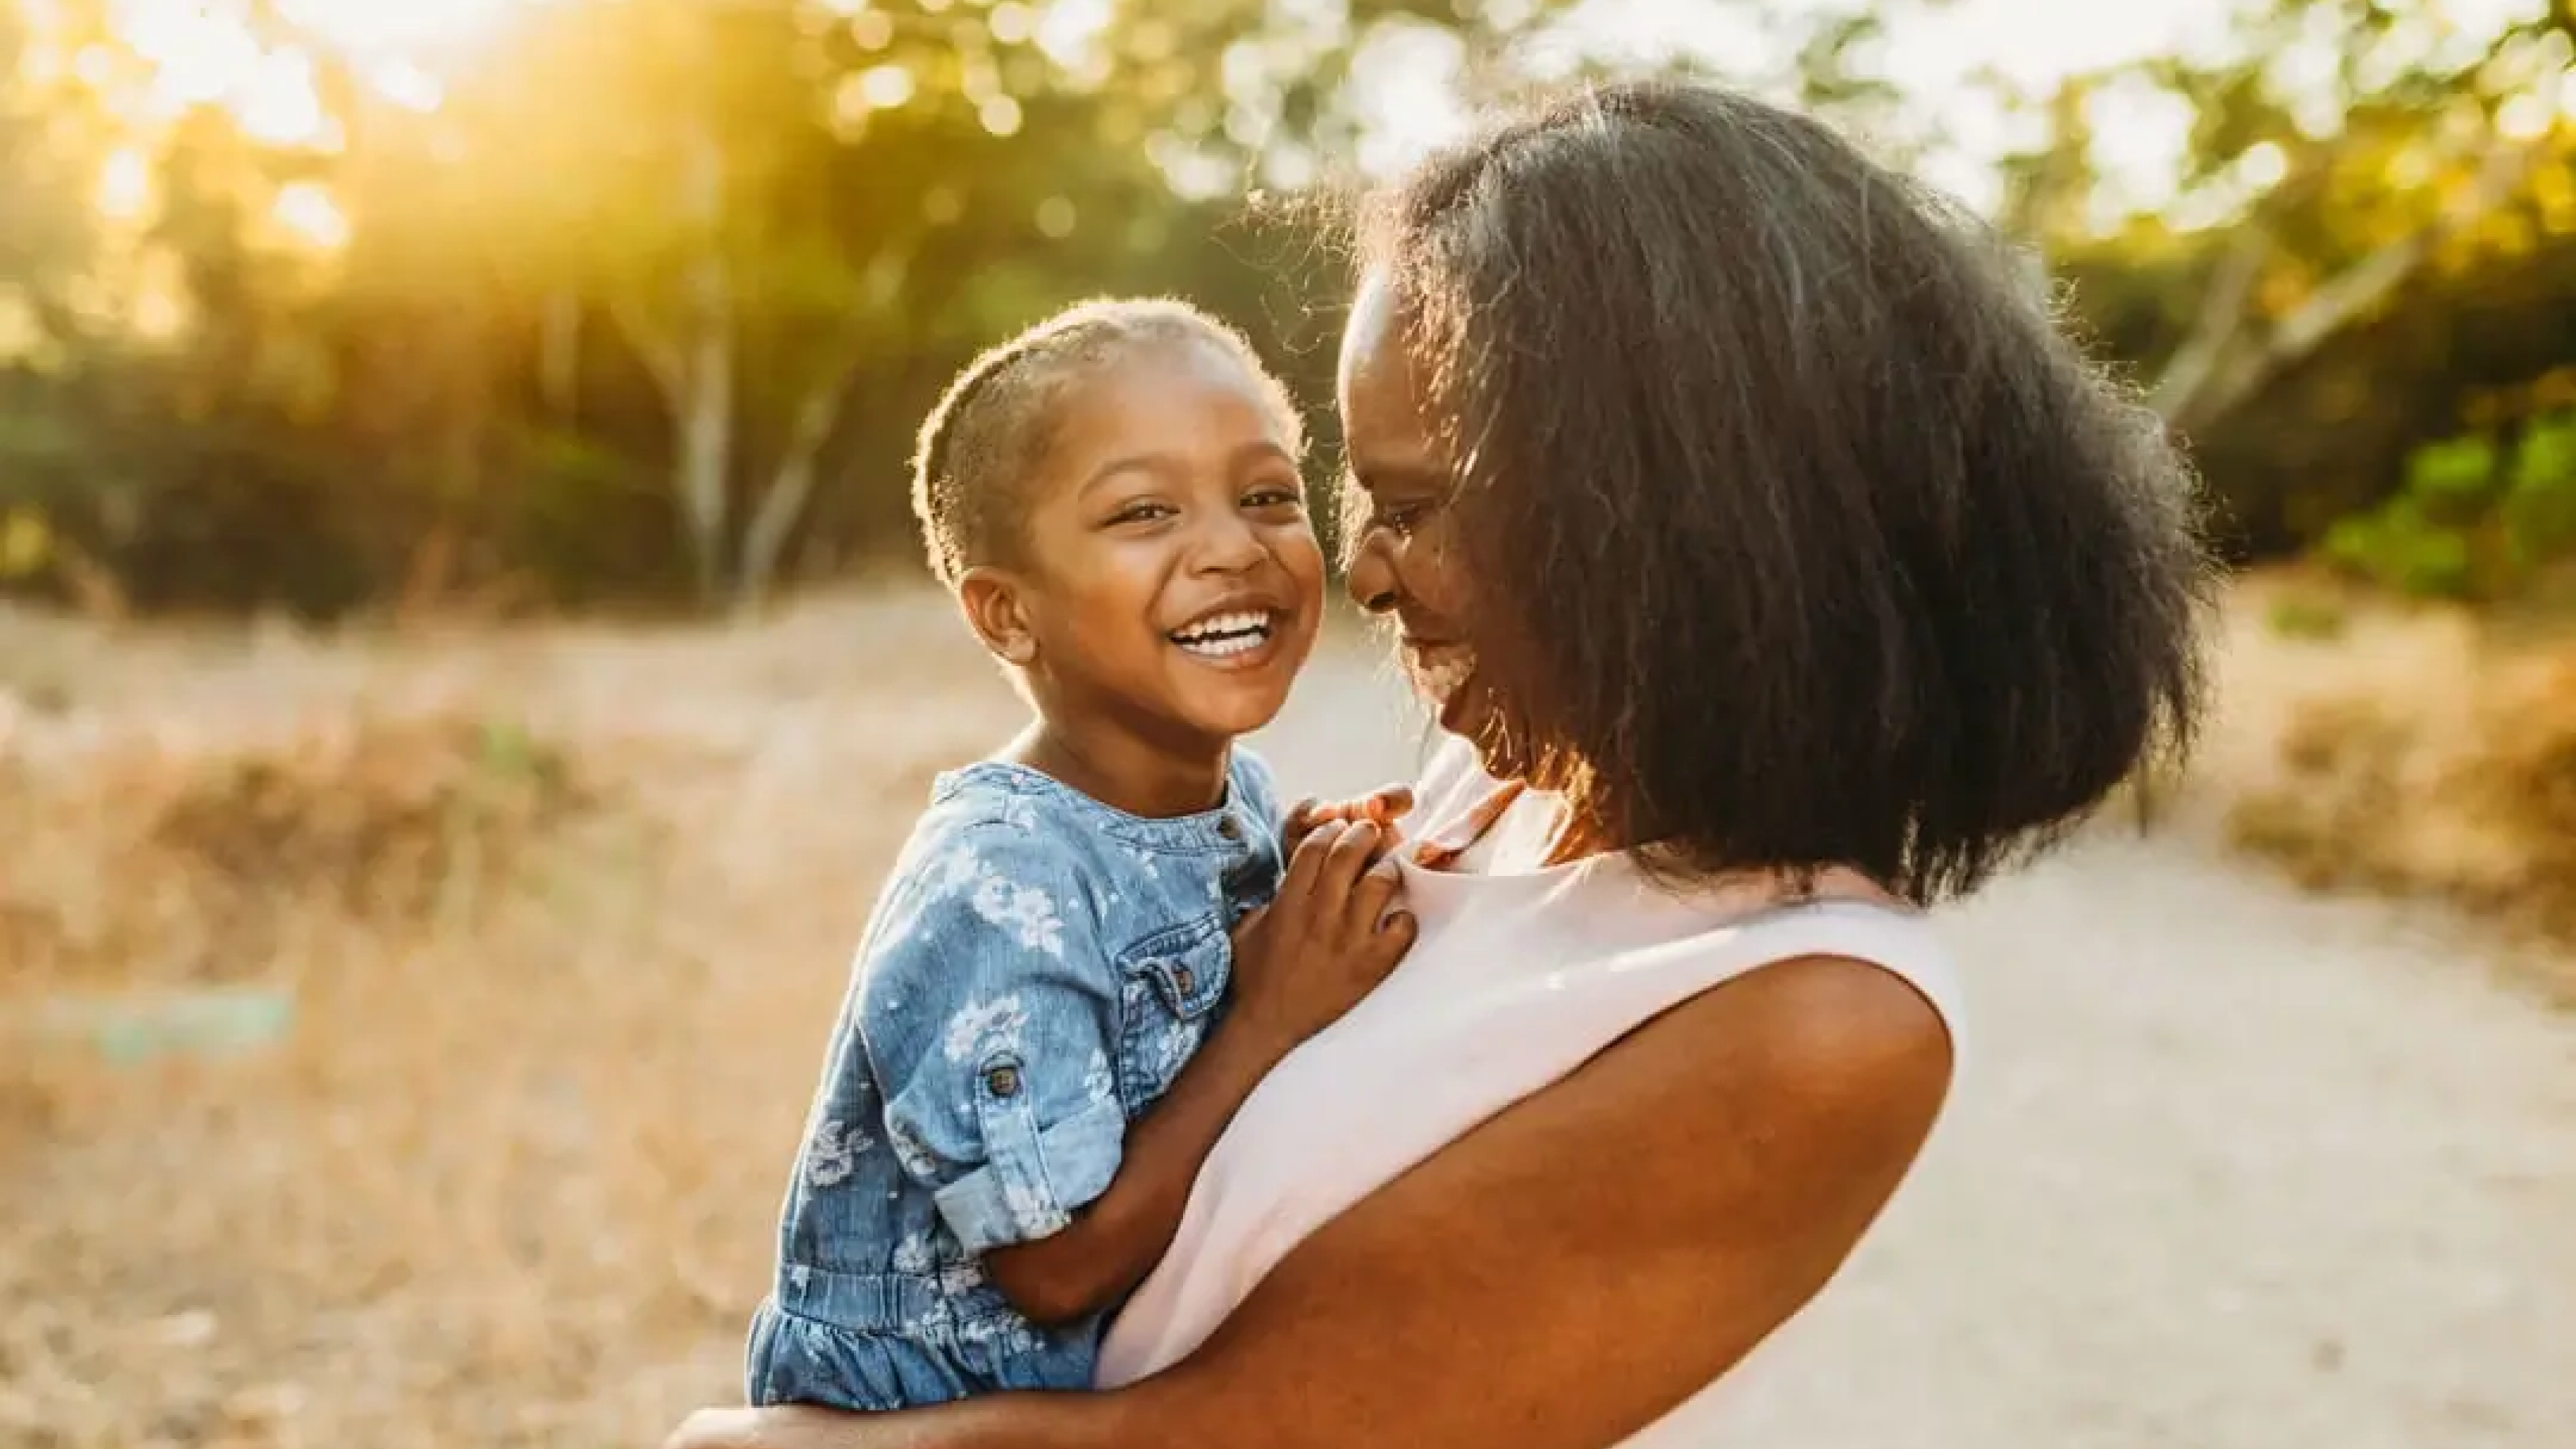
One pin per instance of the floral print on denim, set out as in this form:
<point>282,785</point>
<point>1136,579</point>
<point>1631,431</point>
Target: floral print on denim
<point>1038,970</point>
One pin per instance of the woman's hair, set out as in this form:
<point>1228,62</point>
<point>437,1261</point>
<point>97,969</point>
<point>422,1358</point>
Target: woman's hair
<point>1796,532</point>
<point>992,427</point>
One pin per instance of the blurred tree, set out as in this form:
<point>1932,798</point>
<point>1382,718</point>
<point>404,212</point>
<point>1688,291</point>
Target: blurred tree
<point>647,300</point>
<point>46,239</point>
<point>2352,169</point>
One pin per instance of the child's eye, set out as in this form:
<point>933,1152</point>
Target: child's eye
<point>1274,495</point>
<point>1146,512</point>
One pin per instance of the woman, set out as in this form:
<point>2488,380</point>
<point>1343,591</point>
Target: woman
<point>1778,571</point>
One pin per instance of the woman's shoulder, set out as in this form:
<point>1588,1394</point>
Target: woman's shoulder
<point>1896,944</point>
<point>1836,1013</point>
<point>1845,1051</point>
<point>1848,1066</point>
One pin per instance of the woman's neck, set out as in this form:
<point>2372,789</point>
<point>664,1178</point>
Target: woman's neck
<point>1582,827</point>
<point>1120,770</point>
<point>1576,836</point>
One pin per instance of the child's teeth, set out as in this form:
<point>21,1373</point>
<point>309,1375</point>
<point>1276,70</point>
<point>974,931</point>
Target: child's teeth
<point>1207,630</point>
<point>1225,635</point>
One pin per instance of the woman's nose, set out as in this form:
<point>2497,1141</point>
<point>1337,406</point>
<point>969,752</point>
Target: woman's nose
<point>1371,579</point>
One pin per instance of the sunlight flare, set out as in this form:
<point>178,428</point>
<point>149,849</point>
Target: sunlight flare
<point>210,54</point>
<point>418,31</point>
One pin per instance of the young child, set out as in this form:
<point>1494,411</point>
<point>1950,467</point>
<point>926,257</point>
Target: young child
<point>1088,952</point>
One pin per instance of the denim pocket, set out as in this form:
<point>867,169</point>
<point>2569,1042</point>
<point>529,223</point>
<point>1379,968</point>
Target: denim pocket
<point>1171,984</point>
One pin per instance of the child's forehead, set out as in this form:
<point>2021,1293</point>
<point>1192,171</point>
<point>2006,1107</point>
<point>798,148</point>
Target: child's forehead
<point>1170,399</point>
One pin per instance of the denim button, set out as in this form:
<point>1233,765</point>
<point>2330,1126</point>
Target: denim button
<point>1184,978</point>
<point>1003,1082</point>
<point>1227,827</point>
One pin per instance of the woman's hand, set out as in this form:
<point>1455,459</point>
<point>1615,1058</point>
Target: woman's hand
<point>1001,1421</point>
<point>718,1429</point>
<point>797,1426</point>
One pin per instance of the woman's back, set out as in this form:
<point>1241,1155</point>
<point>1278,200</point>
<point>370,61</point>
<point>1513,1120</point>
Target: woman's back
<point>1517,978</point>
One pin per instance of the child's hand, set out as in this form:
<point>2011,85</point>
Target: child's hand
<point>1380,807</point>
<point>1328,938</point>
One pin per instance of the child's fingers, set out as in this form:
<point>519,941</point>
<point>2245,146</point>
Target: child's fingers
<point>1381,808</point>
<point>1243,929</point>
<point>1306,860</point>
<point>1377,806</point>
<point>1387,802</point>
<point>1299,822</point>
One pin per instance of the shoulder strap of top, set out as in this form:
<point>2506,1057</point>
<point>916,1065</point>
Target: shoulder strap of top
<point>1643,984</point>
<point>1900,942</point>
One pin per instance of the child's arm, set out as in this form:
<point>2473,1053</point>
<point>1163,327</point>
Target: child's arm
<point>1302,961</point>
<point>992,1021</point>
<point>1109,1246</point>
<point>989,1012</point>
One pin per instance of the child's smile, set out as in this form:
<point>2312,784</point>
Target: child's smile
<point>1237,634</point>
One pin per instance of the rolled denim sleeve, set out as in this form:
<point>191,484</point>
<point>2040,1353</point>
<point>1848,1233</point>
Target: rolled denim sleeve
<point>989,1010</point>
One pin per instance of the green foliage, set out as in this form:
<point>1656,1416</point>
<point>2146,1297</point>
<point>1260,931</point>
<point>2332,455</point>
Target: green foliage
<point>2306,617</point>
<point>498,381</point>
<point>2538,510</point>
<point>2478,516</point>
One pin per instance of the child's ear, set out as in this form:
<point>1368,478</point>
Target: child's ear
<point>996,609</point>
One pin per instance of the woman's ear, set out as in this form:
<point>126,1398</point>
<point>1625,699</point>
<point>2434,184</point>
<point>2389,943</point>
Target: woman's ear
<point>995,608</point>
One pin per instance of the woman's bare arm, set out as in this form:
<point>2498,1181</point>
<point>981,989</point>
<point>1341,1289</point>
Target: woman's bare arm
<point>1558,1278</point>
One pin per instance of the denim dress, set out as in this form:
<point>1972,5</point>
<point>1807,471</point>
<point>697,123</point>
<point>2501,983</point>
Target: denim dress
<point>1036,973</point>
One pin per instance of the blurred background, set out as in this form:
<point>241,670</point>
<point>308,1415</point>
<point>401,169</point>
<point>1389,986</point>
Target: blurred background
<point>464,666</point>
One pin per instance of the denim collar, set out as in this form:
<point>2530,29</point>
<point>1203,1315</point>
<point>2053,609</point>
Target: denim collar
<point>1224,830</point>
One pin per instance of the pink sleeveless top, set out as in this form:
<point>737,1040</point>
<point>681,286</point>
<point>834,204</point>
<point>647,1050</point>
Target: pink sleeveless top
<point>1519,975</point>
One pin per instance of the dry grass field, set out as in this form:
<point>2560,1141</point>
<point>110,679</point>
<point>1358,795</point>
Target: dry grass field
<point>2412,751</point>
<point>404,1040</point>
<point>401,1037</point>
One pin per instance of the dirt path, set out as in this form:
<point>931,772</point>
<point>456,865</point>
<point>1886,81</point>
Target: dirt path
<point>2230,1169</point>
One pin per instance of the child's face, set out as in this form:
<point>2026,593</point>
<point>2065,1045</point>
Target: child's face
<point>1174,579</point>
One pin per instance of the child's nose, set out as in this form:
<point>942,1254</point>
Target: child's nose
<point>1229,544</point>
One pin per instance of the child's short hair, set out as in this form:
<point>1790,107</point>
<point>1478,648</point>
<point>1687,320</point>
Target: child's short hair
<point>993,425</point>
<point>1801,534</point>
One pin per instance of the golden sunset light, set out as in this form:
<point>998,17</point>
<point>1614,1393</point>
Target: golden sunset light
<point>488,490</point>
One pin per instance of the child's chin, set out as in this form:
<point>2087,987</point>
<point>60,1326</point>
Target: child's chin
<point>1236,712</point>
